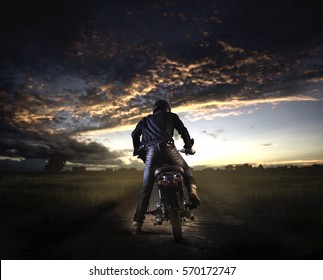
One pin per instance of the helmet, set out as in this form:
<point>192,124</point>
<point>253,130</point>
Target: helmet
<point>161,105</point>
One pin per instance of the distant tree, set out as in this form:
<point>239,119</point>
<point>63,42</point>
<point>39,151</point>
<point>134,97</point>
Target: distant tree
<point>208,170</point>
<point>108,170</point>
<point>244,169</point>
<point>55,163</point>
<point>79,169</point>
<point>315,169</point>
<point>260,170</point>
<point>229,167</point>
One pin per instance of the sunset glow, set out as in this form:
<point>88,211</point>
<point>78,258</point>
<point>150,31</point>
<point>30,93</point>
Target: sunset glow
<point>246,96</point>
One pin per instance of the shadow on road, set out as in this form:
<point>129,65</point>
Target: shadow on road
<point>108,234</point>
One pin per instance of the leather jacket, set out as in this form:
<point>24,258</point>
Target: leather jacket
<point>157,128</point>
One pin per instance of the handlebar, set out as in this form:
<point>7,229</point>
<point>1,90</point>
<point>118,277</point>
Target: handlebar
<point>190,151</point>
<point>187,151</point>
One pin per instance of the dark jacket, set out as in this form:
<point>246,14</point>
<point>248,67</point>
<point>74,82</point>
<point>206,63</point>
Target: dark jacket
<point>159,127</point>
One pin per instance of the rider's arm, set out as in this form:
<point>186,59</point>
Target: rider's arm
<point>182,130</point>
<point>136,137</point>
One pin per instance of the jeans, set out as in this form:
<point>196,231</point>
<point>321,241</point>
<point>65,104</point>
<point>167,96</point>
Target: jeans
<point>156,156</point>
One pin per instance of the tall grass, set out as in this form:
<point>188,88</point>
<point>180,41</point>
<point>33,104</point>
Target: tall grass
<point>41,199</point>
<point>285,201</point>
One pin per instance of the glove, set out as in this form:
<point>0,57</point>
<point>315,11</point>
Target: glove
<point>192,143</point>
<point>190,151</point>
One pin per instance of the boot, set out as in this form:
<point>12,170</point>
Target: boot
<point>194,199</point>
<point>138,229</point>
<point>137,226</point>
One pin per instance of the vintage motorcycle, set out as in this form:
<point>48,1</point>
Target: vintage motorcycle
<point>172,205</point>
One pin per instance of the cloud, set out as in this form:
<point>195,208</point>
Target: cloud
<point>266,145</point>
<point>23,164</point>
<point>101,65</point>
<point>235,107</point>
<point>28,146</point>
<point>212,134</point>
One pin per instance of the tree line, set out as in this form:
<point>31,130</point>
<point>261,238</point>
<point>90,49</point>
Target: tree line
<point>56,163</point>
<point>248,169</point>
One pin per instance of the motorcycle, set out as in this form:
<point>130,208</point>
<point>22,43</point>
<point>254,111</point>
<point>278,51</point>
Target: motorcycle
<point>172,205</point>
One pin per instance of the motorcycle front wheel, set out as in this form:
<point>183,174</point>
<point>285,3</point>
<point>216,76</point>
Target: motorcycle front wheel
<point>175,220</point>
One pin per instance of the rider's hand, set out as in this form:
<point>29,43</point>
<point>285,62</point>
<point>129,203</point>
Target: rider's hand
<point>190,151</point>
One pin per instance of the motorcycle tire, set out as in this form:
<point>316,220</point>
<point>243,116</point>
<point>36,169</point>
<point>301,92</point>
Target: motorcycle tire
<point>175,220</point>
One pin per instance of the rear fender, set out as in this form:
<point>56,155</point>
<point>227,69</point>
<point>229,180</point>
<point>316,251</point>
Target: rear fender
<point>173,198</point>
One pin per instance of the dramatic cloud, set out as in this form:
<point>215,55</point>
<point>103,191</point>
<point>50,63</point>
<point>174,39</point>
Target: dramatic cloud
<point>19,146</point>
<point>69,66</point>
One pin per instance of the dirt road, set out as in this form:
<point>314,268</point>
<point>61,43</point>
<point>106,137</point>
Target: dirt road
<point>214,234</point>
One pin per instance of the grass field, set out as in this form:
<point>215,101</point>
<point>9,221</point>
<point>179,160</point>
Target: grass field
<point>290,201</point>
<point>294,202</point>
<point>36,204</point>
<point>28,197</point>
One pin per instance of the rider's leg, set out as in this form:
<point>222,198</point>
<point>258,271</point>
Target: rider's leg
<point>148,182</point>
<point>176,158</point>
<point>191,188</point>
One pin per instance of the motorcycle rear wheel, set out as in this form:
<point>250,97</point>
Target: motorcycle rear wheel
<point>175,220</point>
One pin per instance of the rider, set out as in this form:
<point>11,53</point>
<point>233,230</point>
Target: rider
<point>157,148</point>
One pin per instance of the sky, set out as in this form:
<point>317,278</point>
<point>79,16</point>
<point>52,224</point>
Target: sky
<point>245,77</point>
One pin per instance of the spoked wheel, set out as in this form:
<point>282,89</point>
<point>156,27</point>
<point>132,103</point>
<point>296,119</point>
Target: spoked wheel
<point>175,220</point>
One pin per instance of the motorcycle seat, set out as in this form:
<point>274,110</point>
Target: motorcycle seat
<point>169,168</point>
